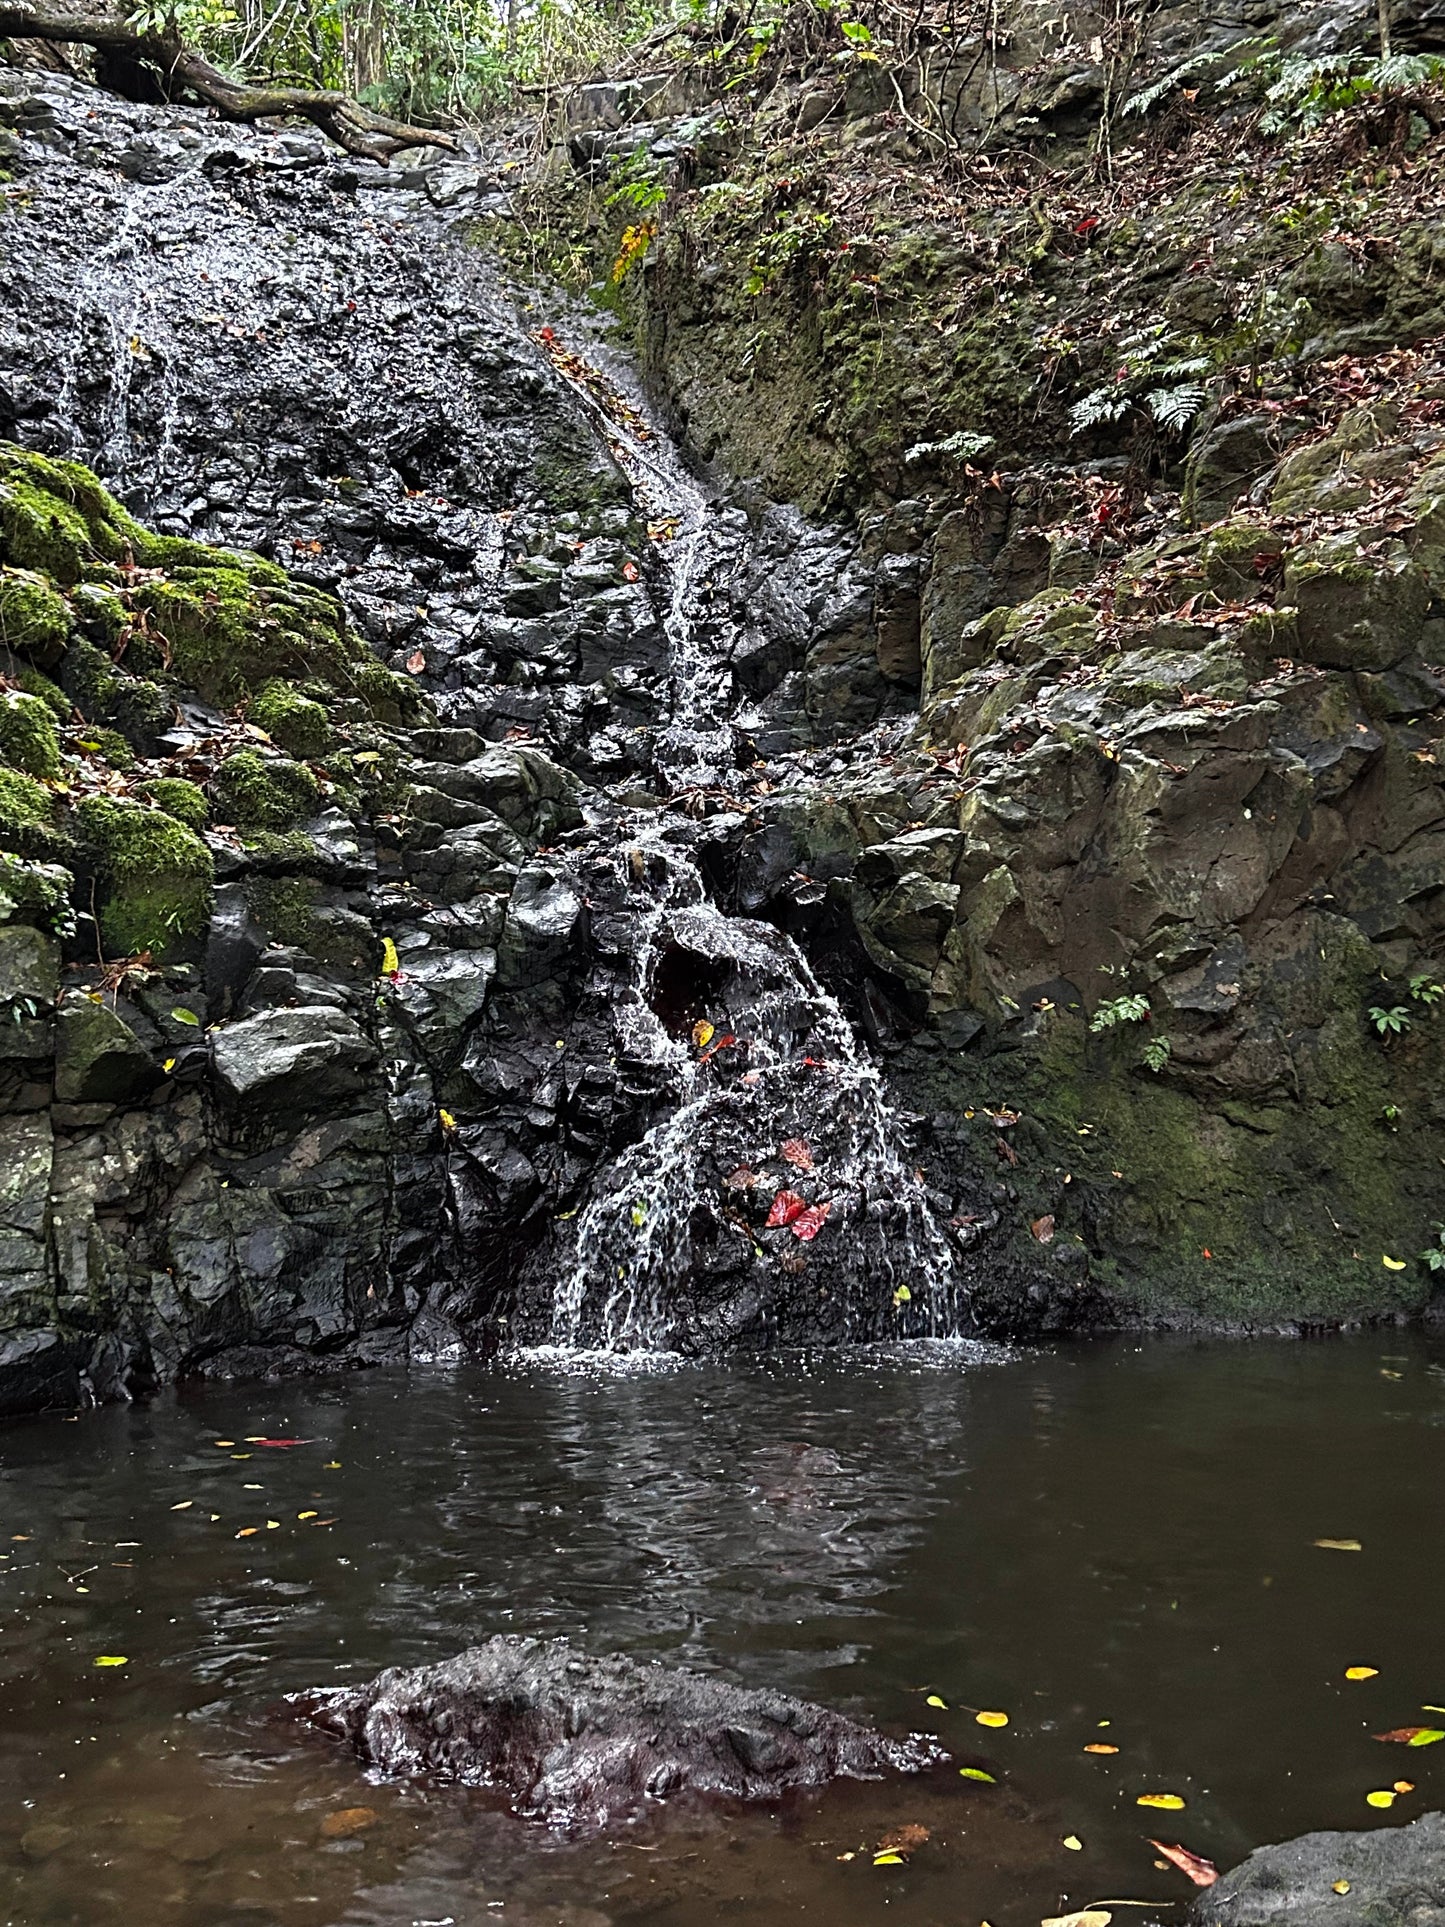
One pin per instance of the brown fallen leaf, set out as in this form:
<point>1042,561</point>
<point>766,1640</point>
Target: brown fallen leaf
<point>1043,1228</point>
<point>1202,1872</point>
<point>1086,1917</point>
<point>796,1151</point>
<point>1412,1735</point>
<point>903,1839</point>
<point>347,1822</point>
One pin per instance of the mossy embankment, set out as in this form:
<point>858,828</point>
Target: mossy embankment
<point>113,799</point>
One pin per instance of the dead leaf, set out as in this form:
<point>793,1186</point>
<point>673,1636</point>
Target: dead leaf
<point>1413,1735</point>
<point>1340,1545</point>
<point>786,1207</point>
<point>1202,1872</point>
<point>1099,1747</point>
<point>416,662</point>
<point>349,1821</point>
<point>1362,1672</point>
<point>741,1180</point>
<point>1087,1917</point>
<point>811,1222</point>
<point>903,1839</point>
<point>1170,1802</point>
<point>703,1033</point>
<point>796,1151</point>
<point>1043,1229</point>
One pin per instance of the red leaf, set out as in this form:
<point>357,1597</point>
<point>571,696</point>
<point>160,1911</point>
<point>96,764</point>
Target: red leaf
<point>416,662</point>
<point>796,1151</point>
<point>630,572</point>
<point>811,1222</point>
<point>1087,225</point>
<point>1405,1735</point>
<point>1043,1229</point>
<point>1202,1872</point>
<point>721,1043</point>
<point>787,1206</point>
<point>278,1445</point>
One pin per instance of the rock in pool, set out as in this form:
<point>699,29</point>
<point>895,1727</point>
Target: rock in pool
<point>583,1742</point>
<point>1389,1877</point>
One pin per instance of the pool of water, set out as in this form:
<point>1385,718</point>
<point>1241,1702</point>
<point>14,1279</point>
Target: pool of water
<point>1114,1544</point>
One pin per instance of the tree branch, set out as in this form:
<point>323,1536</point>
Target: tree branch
<point>355,128</point>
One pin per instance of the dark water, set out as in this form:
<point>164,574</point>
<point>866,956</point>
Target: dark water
<point>1119,1533</point>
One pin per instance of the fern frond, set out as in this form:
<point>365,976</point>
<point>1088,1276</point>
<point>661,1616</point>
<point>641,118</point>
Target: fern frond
<point>1176,407</point>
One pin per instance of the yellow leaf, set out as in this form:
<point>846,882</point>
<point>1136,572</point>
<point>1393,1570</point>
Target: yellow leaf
<point>1383,1798</point>
<point>934,1700</point>
<point>1392,1264</point>
<point>903,1296</point>
<point>1404,1786</point>
<point>248,1532</point>
<point>991,1719</point>
<point>333,1465</point>
<point>305,1515</point>
<point>390,962</point>
<point>1340,1887</point>
<point>888,1860</point>
<point>1362,1672</point>
<point>1340,1545</point>
<point>273,1525</point>
<point>169,1065</point>
<point>226,1442</point>
<point>1089,1917</point>
<point>1099,1747</point>
<point>1170,1802</point>
<point>111,1659</point>
<point>1073,1843</point>
<point>184,1506</point>
<point>977,1773</point>
<point>449,1123</point>
<point>703,1033</point>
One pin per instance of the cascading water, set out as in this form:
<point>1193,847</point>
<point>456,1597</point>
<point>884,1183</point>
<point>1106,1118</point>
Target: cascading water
<point>767,1084</point>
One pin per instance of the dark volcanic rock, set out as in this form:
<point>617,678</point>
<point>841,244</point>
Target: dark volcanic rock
<point>584,1742</point>
<point>1396,1878</point>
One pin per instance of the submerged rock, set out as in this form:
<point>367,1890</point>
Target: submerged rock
<point>584,1742</point>
<point>1390,1877</point>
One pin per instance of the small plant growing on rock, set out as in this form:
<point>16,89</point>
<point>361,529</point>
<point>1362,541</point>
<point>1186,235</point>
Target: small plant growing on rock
<point>1425,990</point>
<point>1157,1053</point>
<point>1121,1010</point>
<point>1434,1255</point>
<point>1393,1022</point>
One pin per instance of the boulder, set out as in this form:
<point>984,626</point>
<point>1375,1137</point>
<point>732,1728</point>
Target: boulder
<point>311,1055</point>
<point>583,1742</point>
<point>98,1057</point>
<point>1390,1877</point>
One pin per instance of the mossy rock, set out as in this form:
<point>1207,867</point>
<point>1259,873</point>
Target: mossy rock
<point>27,813</point>
<point>38,893</point>
<point>293,722</point>
<point>156,875</point>
<point>108,696</point>
<point>112,746</point>
<point>284,907</point>
<point>34,684</point>
<point>27,734</point>
<point>260,793</point>
<point>34,617</point>
<point>183,800</point>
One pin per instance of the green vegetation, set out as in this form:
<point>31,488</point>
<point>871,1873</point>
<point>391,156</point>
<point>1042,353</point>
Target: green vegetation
<point>28,740</point>
<point>292,720</point>
<point>156,875</point>
<point>261,793</point>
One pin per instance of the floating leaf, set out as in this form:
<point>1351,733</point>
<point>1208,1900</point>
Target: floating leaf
<point>223,1442</point>
<point>1340,1545</point>
<point>273,1525</point>
<point>1073,1843</point>
<point>1392,1264</point>
<point>786,1206</point>
<point>796,1151</point>
<point>991,1719</point>
<point>1202,1872</point>
<point>248,1532</point>
<point>1088,1917</point>
<point>350,1820</point>
<point>1340,1887</point>
<point>1098,1746</point>
<point>977,1773</point>
<point>703,1033</point>
<point>184,1506</point>
<point>934,1700</point>
<point>903,1839</point>
<point>1362,1672</point>
<point>1383,1798</point>
<point>811,1222</point>
<point>111,1659</point>
<point>1413,1735</point>
<point>888,1860</point>
<point>305,1515</point>
<point>184,1016</point>
<point>1170,1802</point>
<point>1404,1786</point>
<point>278,1445</point>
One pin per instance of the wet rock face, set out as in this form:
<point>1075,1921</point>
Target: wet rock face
<point>586,1743</point>
<point>1392,1877</point>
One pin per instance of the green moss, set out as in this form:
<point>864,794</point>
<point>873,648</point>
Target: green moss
<point>27,734</point>
<point>280,849</point>
<point>34,684</point>
<point>108,696</point>
<point>36,893</point>
<point>27,811</point>
<point>264,794</point>
<point>284,908</point>
<point>156,875</point>
<point>293,721</point>
<point>110,744</point>
<point>180,799</point>
<point>34,618</point>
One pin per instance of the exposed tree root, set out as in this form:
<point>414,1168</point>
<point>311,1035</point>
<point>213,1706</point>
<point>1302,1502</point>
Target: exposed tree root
<point>180,68</point>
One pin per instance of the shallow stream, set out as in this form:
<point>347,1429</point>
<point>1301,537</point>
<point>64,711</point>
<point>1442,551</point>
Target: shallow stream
<point>1116,1533</point>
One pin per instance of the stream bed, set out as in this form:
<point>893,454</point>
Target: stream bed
<point>1117,1532</point>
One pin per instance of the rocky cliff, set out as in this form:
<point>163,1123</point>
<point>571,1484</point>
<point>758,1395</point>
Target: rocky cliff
<point>418,795</point>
